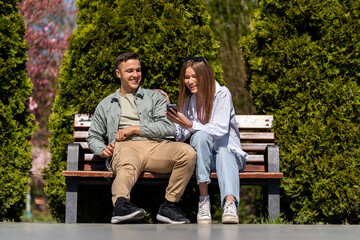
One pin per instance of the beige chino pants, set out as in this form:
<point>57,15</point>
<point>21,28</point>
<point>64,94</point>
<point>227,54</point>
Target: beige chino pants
<point>130,158</point>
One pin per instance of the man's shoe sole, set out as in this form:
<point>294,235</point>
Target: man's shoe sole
<point>135,216</point>
<point>168,220</point>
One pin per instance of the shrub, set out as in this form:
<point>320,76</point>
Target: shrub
<point>162,32</point>
<point>303,59</point>
<point>16,124</point>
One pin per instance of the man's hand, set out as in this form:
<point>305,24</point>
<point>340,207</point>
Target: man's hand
<point>179,118</point>
<point>122,134</point>
<point>108,151</point>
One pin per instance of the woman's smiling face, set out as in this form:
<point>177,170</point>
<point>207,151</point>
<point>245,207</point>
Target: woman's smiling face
<point>190,80</point>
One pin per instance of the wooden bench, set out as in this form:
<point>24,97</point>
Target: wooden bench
<point>262,167</point>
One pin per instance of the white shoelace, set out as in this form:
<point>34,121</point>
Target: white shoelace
<point>230,208</point>
<point>203,209</point>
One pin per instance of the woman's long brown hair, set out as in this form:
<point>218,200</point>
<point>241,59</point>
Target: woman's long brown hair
<point>206,86</point>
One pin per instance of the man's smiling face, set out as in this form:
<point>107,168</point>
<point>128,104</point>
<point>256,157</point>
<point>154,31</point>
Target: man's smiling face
<point>129,73</point>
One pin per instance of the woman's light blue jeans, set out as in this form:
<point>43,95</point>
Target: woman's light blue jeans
<point>225,162</point>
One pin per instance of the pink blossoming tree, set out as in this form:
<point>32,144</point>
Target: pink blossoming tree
<point>49,23</point>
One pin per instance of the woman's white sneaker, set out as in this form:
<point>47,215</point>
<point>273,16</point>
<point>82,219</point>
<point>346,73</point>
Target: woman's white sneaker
<point>204,214</point>
<point>230,213</point>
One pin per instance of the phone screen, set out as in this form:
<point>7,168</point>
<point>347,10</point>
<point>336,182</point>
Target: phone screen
<point>173,106</point>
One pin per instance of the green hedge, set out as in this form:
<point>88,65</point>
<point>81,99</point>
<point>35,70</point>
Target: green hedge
<point>303,61</point>
<point>16,124</point>
<point>162,32</point>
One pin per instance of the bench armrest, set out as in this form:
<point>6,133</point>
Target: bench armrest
<point>75,156</point>
<point>272,157</point>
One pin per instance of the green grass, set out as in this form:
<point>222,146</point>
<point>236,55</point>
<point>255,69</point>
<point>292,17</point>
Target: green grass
<point>278,220</point>
<point>39,217</point>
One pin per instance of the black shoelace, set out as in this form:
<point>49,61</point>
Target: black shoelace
<point>128,205</point>
<point>177,210</point>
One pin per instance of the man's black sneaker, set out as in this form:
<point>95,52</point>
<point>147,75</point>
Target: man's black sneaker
<point>125,211</point>
<point>170,213</point>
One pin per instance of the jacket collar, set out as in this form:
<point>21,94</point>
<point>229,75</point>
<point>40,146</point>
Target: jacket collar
<point>139,93</point>
<point>217,87</point>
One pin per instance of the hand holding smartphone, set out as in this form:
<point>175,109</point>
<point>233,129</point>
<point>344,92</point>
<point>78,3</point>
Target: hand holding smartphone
<point>170,106</point>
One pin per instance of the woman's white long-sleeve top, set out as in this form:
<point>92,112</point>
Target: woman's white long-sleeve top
<point>222,125</point>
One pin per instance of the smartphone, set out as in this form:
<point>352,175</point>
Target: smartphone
<point>173,106</point>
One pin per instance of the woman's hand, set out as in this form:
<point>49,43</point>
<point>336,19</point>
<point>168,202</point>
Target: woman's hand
<point>163,93</point>
<point>179,118</point>
<point>175,116</point>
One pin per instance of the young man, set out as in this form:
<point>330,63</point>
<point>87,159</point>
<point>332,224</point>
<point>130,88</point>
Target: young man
<point>134,122</point>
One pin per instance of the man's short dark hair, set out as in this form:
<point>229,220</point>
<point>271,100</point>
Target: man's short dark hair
<point>126,56</point>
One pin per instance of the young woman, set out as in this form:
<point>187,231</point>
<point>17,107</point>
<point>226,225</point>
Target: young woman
<point>206,117</point>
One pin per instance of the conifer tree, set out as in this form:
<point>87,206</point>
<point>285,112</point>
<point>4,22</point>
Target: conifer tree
<point>162,32</point>
<point>303,61</point>
<point>16,124</point>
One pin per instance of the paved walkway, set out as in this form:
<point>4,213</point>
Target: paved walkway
<point>47,231</point>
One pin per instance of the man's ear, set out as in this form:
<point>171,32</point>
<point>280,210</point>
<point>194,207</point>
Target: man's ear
<point>118,73</point>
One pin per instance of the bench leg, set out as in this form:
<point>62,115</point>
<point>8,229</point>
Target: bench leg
<point>71,200</point>
<point>273,198</point>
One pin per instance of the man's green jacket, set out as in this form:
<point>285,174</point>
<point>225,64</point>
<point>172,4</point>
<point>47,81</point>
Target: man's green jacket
<point>151,106</point>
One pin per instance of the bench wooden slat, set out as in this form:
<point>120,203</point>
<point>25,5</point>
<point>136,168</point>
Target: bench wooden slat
<point>254,121</point>
<point>80,135</point>
<point>95,167</point>
<point>108,174</point>
<point>244,136</point>
<point>247,147</point>
<point>257,136</point>
<point>257,159</point>
<point>82,121</point>
<point>101,167</point>
<point>243,121</point>
<point>93,158</point>
<point>255,147</point>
